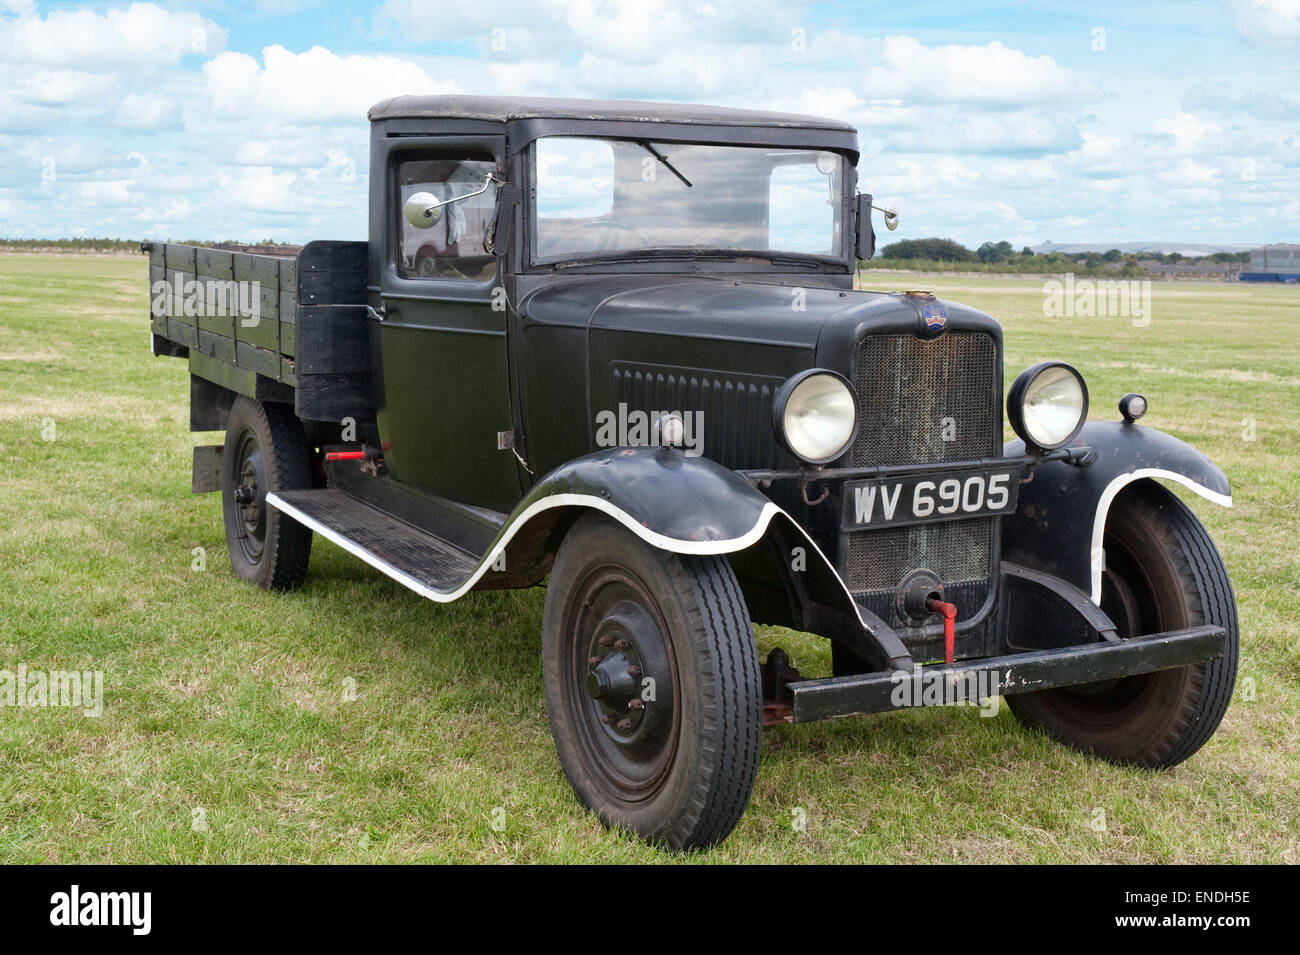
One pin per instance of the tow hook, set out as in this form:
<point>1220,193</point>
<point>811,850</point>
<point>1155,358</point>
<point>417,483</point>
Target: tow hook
<point>949,612</point>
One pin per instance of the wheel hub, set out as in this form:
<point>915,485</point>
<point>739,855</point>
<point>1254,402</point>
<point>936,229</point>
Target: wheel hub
<point>628,678</point>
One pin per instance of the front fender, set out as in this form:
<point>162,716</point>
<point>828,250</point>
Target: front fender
<point>687,505</point>
<point>1060,520</point>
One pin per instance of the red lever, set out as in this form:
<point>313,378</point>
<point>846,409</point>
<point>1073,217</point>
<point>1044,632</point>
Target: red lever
<point>949,612</point>
<point>345,455</point>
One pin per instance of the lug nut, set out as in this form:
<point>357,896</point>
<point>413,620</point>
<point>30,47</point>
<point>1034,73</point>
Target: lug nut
<point>593,661</point>
<point>623,644</point>
<point>635,705</point>
<point>625,725</point>
<point>634,671</point>
<point>605,641</point>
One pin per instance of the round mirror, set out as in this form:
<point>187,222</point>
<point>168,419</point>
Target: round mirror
<point>423,210</point>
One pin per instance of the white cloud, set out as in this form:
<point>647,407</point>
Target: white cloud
<point>57,87</point>
<point>1190,133</point>
<point>142,34</point>
<point>690,74</point>
<point>148,111</point>
<point>309,87</point>
<point>993,74</point>
<point>630,31</point>
<point>1189,173</point>
<point>1269,22</point>
<point>1005,133</point>
<point>259,187</point>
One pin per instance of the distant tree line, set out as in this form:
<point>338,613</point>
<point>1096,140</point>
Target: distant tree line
<point>107,245</point>
<point>1003,254</point>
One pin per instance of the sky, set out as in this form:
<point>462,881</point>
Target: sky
<point>1029,122</point>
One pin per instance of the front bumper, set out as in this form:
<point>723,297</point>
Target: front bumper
<point>1025,672</point>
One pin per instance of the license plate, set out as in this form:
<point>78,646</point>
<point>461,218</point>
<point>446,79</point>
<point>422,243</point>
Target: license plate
<point>918,498</point>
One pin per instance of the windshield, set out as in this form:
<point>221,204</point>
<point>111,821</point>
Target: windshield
<point>620,197</point>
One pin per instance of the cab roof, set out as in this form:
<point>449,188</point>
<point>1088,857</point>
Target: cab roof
<point>505,109</point>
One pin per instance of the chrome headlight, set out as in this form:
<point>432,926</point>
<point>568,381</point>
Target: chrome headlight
<point>1047,405</point>
<point>816,415</point>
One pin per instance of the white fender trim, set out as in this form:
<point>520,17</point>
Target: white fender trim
<point>660,541</point>
<point>1108,495</point>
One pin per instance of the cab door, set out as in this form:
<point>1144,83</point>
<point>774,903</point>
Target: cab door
<point>444,384</point>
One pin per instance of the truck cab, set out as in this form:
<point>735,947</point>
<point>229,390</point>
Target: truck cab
<point>618,348</point>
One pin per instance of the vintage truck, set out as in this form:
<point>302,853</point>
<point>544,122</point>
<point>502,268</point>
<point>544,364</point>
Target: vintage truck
<point>617,347</point>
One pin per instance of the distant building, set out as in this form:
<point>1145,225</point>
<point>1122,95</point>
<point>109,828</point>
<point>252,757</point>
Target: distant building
<point>1274,263</point>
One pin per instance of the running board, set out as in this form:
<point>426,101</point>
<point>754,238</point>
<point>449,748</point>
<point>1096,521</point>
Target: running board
<point>427,564</point>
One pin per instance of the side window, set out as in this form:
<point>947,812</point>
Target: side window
<point>452,247</point>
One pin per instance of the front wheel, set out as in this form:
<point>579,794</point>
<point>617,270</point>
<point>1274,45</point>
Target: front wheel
<point>1162,573</point>
<point>652,685</point>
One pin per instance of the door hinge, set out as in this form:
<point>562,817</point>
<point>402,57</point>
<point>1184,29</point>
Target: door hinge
<point>505,440</point>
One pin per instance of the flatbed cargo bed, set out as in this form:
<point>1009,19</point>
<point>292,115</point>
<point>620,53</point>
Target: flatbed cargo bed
<point>287,326</point>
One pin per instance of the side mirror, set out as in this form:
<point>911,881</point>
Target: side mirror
<point>865,236</point>
<point>423,210</point>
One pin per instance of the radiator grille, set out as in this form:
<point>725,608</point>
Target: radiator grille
<point>913,393</point>
<point>736,409</point>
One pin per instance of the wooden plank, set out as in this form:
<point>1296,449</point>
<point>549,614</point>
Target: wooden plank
<point>217,346</point>
<point>264,269</point>
<point>332,288</point>
<point>179,258</point>
<point>260,329</point>
<point>176,280</point>
<point>260,360</point>
<point>288,372</point>
<point>220,299</point>
<point>179,331</point>
<point>333,340</point>
<point>289,275</point>
<point>217,263</point>
<point>157,255</point>
<point>332,397</point>
<point>239,380</point>
<point>333,256</point>
<point>288,339</point>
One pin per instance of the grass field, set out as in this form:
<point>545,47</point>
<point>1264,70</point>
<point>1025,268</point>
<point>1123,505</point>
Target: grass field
<point>229,735</point>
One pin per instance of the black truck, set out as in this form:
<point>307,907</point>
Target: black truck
<point>617,348</point>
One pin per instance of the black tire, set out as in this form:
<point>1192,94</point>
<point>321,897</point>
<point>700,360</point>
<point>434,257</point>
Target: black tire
<point>680,770</point>
<point>265,451</point>
<point>1162,573</point>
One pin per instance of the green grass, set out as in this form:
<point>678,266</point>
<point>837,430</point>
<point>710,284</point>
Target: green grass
<point>229,700</point>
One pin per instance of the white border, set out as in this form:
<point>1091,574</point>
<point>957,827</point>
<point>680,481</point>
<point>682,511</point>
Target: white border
<point>1108,495</point>
<point>660,541</point>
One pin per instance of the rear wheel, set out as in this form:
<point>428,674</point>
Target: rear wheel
<point>265,451</point>
<point>652,684</point>
<point>1162,573</point>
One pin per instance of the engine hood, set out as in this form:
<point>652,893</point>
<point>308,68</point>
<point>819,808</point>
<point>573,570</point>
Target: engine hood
<point>593,346</point>
<point>784,315</point>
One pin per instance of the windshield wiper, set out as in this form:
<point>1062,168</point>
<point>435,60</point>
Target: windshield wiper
<point>664,159</point>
